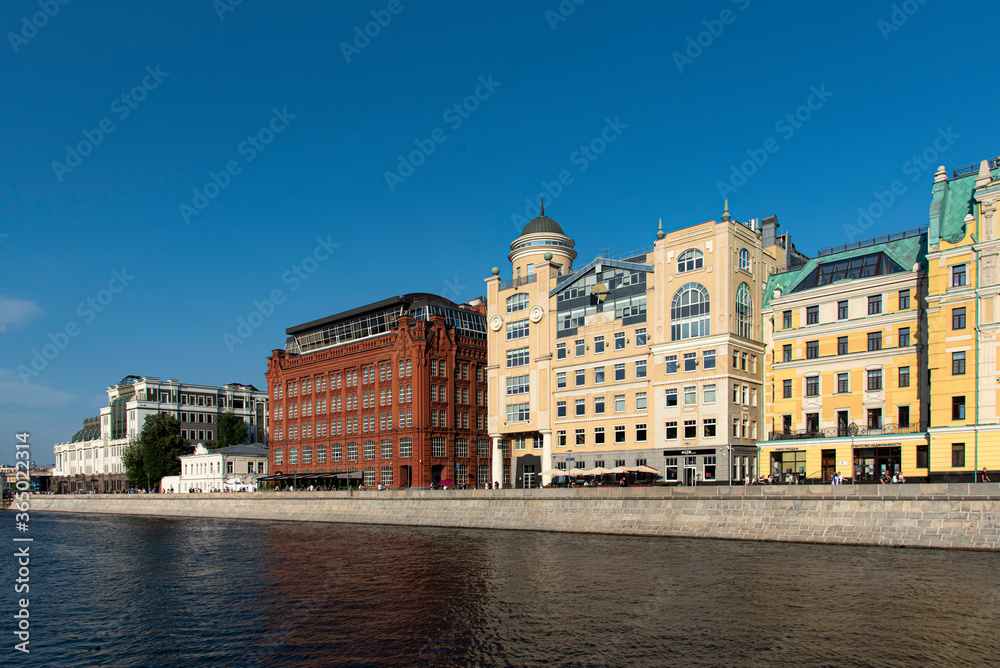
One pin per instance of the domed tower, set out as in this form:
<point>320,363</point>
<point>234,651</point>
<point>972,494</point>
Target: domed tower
<point>538,238</point>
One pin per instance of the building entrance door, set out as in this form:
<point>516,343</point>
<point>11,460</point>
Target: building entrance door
<point>529,476</point>
<point>690,476</point>
<point>871,463</point>
<point>828,463</point>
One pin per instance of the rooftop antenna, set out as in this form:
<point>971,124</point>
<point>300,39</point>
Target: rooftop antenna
<point>543,205</point>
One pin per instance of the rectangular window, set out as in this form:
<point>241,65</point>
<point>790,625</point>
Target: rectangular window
<point>874,340</point>
<point>958,277</point>
<point>560,351</point>
<point>670,363</point>
<point>958,318</point>
<point>874,379</point>
<point>640,337</point>
<point>581,347</point>
<point>598,374</point>
<point>690,429</point>
<point>923,456</point>
<point>903,416</point>
<point>519,442</point>
<point>560,380</point>
<point>640,401</point>
<point>786,389</point>
<point>671,397</point>
<point>581,407</point>
<point>561,409</point>
<point>352,452</point>
<point>874,304</point>
<point>958,363</point>
<point>786,320</point>
<point>812,386</point>
<point>581,436</point>
<point>786,353</point>
<point>598,405</point>
<point>619,340</point>
<point>708,427</point>
<point>671,433</point>
<point>619,372</point>
<point>640,433</point>
<point>904,337</point>
<point>321,454</point>
<point>812,423</point>
<point>369,449</point>
<point>843,386</point>
<point>708,394</point>
<point>439,447</point>
<point>957,454</point>
<point>581,377</point>
<point>812,349</point>
<point>598,435</point>
<point>516,413</point>
<point>598,344</point>
<point>842,310</point>
<point>518,357</point>
<point>690,361</point>
<point>904,300</point>
<point>958,408</point>
<point>640,369</point>
<point>708,359</point>
<point>841,345</point>
<point>619,433</point>
<point>812,315</point>
<point>904,376</point>
<point>462,447</point>
<point>691,395</point>
<point>619,403</point>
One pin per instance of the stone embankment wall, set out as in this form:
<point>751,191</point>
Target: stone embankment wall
<point>964,516</point>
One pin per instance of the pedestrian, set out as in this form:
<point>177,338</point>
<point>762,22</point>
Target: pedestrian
<point>986,478</point>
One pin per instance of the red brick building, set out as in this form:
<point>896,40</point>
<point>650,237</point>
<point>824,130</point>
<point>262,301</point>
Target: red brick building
<point>395,390</point>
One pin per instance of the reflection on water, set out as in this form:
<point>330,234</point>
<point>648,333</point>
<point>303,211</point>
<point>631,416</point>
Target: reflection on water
<point>134,591</point>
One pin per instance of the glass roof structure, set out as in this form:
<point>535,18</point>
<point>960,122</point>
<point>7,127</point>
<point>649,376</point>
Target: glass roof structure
<point>862,266</point>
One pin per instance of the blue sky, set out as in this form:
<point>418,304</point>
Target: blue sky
<point>668,99</point>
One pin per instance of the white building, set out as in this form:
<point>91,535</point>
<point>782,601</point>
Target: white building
<point>213,470</point>
<point>91,460</point>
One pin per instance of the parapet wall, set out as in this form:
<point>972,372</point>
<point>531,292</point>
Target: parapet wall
<point>964,516</point>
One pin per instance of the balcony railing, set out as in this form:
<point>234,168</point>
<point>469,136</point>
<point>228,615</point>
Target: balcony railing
<point>518,282</point>
<point>851,430</point>
<point>863,243</point>
<point>974,168</point>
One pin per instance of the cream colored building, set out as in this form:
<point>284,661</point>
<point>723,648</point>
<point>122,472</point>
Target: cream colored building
<point>652,358</point>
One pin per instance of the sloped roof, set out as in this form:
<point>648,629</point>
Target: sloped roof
<point>582,271</point>
<point>951,202</point>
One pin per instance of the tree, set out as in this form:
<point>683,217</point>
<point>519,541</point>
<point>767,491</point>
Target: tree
<point>157,451</point>
<point>231,430</point>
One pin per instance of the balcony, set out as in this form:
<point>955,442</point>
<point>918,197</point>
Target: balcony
<point>518,282</point>
<point>848,431</point>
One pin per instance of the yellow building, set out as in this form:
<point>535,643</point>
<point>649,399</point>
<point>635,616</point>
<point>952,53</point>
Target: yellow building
<point>649,358</point>
<point>843,381</point>
<point>963,321</point>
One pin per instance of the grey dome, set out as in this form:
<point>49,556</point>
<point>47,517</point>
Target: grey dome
<point>542,224</point>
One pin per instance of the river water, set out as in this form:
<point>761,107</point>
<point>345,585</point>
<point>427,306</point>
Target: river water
<point>137,591</point>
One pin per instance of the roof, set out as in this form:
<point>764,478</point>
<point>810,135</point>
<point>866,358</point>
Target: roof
<point>604,262</point>
<point>241,449</point>
<point>407,300</point>
<point>542,224</point>
<point>951,202</point>
<point>905,252</point>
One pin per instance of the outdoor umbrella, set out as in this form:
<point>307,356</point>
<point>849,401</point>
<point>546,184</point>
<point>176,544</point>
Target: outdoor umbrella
<point>617,469</point>
<point>642,468</point>
<point>573,472</point>
<point>553,472</point>
<point>600,470</point>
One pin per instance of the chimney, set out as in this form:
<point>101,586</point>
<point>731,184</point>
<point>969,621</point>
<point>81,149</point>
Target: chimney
<point>769,229</point>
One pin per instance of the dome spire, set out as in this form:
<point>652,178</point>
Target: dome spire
<point>543,205</point>
<point>659,232</point>
<point>725,213</point>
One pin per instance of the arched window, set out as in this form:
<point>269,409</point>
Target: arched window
<point>744,311</point>
<point>517,302</point>
<point>689,313</point>
<point>744,259</point>
<point>690,260</point>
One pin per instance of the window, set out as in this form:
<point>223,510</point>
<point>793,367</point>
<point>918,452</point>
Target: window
<point>690,312</point>
<point>581,347</point>
<point>812,349</point>
<point>708,427</point>
<point>812,315</point>
<point>958,275</point>
<point>843,383</point>
<point>842,310</point>
<point>515,330</point>
<point>786,320</point>
<point>640,337</point>
<point>958,363</point>
<point>517,302</point>
<point>874,379</point>
<point>690,429</point>
<point>293,455</point>
<point>560,380</point>
<point>519,442</point>
<point>619,340</point>
<point>336,452</point>
<point>690,361</point>
<point>786,353</point>
<point>923,456</point>
<point>903,416</point>
<point>744,311</point>
<point>619,433</point>
<point>439,447</point>
<point>619,372</point>
<point>671,396</point>
<point>670,363</point>
<point>904,300</point>
<point>874,304</point>
<point>874,340</point>
<point>598,405</point>
<point>640,401</point>
<point>958,318</point>
<point>640,433</point>
<point>598,374</point>
<point>307,455</point>
<point>279,457</point>
<point>581,436</point>
<point>598,435</point>
<point>581,407</point>
<point>619,403</point>
<point>691,395</point>
<point>904,376</point>
<point>321,454</point>
<point>640,369</point>
<point>812,422</point>
<point>581,377</point>
<point>904,337</point>
<point>708,394</point>
<point>560,351</point>
<point>671,434</point>
<point>518,357</point>
<point>786,389</point>
<point>958,408</point>
<point>812,386</point>
<point>561,409</point>
<point>690,260</point>
<point>958,454</point>
<point>517,413</point>
<point>708,359</point>
<point>598,344</point>
<point>369,449</point>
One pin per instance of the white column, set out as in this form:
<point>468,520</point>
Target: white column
<point>546,454</point>
<point>496,469</point>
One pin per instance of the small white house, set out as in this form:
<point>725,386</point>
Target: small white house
<point>233,467</point>
<point>170,483</point>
